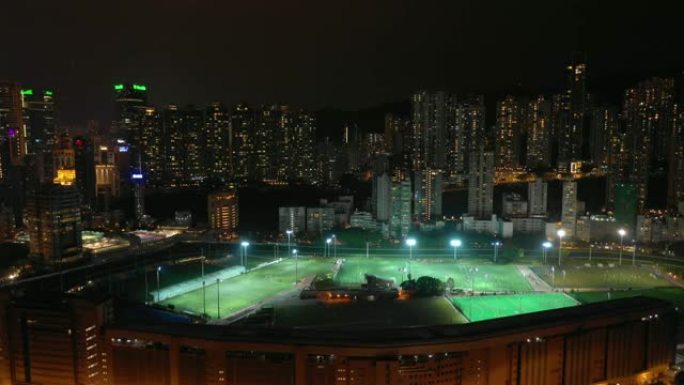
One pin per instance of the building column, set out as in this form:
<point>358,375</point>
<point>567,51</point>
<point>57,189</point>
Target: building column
<point>300,368</point>
<point>174,363</point>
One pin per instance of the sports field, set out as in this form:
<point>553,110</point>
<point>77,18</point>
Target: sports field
<point>249,289</point>
<point>480,277</point>
<point>600,276</point>
<point>479,308</point>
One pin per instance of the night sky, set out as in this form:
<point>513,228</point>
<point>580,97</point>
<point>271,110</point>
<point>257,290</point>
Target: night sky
<point>324,53</point>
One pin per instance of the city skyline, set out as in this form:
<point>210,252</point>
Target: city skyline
<point>377,52</point>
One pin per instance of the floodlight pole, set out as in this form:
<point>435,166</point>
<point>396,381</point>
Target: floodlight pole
<point>204,288</point>
<point>218,299</point>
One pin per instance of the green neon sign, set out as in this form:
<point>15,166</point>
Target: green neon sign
<point>48,93</point>
<point>139,87</point>
<point>118,87</point>
<point>27,92</point>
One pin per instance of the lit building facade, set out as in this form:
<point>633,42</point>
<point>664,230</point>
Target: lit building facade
<point>569,210</point>
<point>481,184</point>
<point>223,210</point>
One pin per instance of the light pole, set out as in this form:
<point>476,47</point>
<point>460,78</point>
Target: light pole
<point>545,246</point>
<point>327,246</point>
<point>244,245</point>
<point>591,246</point>
<point>204,288</point>
<point>455,243</point>
<point>294,252</point>
<point>561,234</point>
<point>218,299</point>
<point>634,253</point>
<point>289,245</point>
<point>334,238</point>
<point>496,249</point>
<point>410,243</point>
<point>622,234</point>
<point>158,270</point>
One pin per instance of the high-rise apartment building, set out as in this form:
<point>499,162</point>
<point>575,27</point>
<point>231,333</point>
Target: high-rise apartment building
<point>675,181</point>
<point>648,113</point>
<point>569,209</point>
<point>467,134</point>
<point>292,219</point>
<point>481,184</point>
<point>218,143</point>
<point>427,195</point>
<point>537,196</point>
<point>603,125</point>
<point>538,129</point>
<point>382,197</point>
<point>511,129</point>
<point>400,221</point>
<point>223,211</point>
<point>432,116</point>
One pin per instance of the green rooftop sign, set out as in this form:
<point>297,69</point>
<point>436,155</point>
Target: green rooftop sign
<point>27,92</point>
<point>139,87</point>
<point>118,87</point>
<point>48,93</point>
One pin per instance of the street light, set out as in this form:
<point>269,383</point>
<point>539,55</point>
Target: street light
<point>334,240</point>
<point>294,252</point>
<point>455,243</point>
<point>158,270</point>
<point>218,299</point>
<point>496,249</point>
<point>410,243</point>
<point>634,252</point>
<point>327,247</point>
<point>561,234</point>
<point>545,246</point>
<point>244,245</point>
<point>622,234</point>
<point>289,246</point>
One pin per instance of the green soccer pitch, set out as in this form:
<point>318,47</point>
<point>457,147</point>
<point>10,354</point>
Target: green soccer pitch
<point>600,275</point>
<point>480,277</point>
<point>480,308</point>
<point>249,289</point>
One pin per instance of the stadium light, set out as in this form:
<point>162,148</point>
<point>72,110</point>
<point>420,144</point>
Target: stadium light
<point>622,234</point>
<point>455,243</point>
<point>326,252</point>
<point>158,270</point>
<point>294,252</point>
<point>545,246</point>
<point>244,245</point>
<point>410,243</point>
<point>334,240</point>
<point>496,245</point>
<point>561,234</point>
<point>289,245</point>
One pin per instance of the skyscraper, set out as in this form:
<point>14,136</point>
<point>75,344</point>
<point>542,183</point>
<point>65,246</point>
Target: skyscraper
<point>12,129</point>
<point>53,213</point>
<point>481,184</point>
<point>675,182</point>
<point>603,123</point>
<point>538,133</point>
<point>572,135</point>
<point>39,111</point>
<point>432,115</point>
<point>400,222</point>
<point>537,196</point>
<point>626,203</point>
<point>224,214</point>
<point>382,197</point>
<point>468,134</point>
<point>511,115</point>
<point>569,209</point>
<point>84,157</point>
<point>648,114</point>
<point>427,195</point>
<point>218,142</point>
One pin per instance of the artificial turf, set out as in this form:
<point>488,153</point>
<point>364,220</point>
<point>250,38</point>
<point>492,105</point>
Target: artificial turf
<point>249,289</point>
<point>481,277</point>
<point>600,276</point>
<point>479,308</point>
